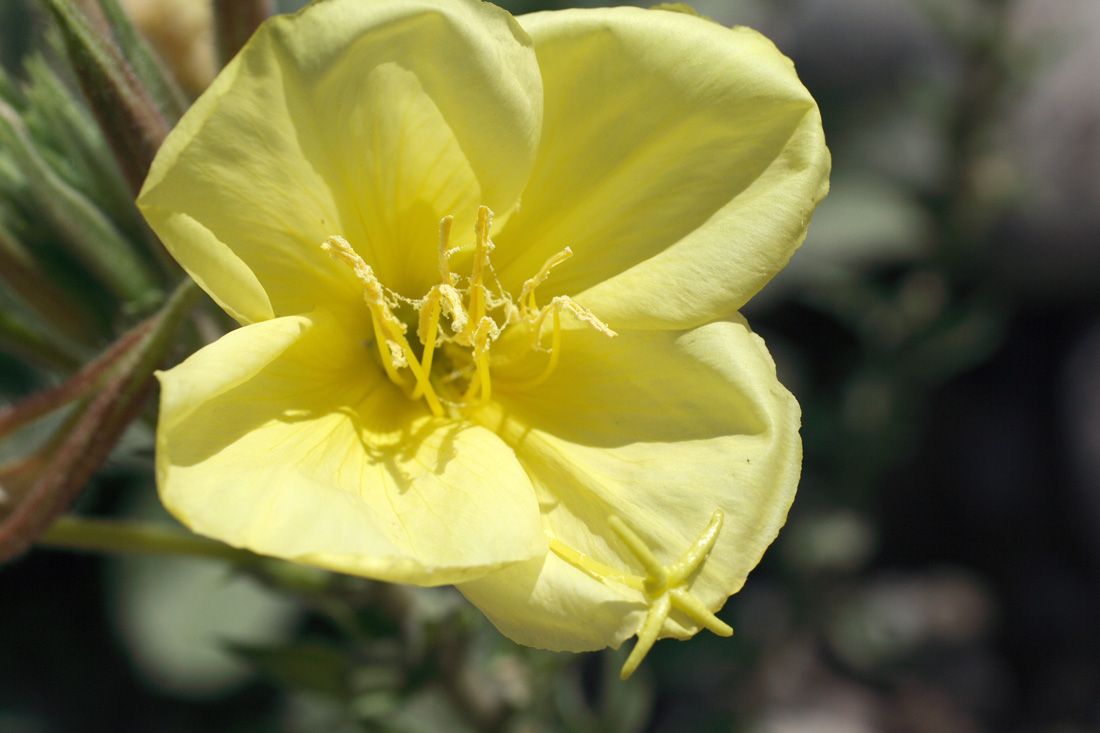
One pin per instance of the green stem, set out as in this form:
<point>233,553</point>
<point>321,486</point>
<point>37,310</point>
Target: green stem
<point>73,532</point>
<point>103,535</point>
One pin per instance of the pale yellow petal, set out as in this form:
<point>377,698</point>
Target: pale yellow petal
<point>548,604</point>
<point>401,169</point>
<point>471,58</point>
<point>659,428</point>
<point>680,160</point>
<point>286,438</point>
<point>237,201</point>
<point>320,109</point>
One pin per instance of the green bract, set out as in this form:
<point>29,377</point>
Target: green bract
<point>488,272</point>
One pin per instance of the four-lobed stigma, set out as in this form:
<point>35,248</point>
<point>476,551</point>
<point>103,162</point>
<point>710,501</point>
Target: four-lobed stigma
<point>664,587</point>
<point>478,317</point>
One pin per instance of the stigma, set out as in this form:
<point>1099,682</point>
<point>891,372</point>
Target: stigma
<point>448,362</point>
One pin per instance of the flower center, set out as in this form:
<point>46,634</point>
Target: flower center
<point>459,379</point>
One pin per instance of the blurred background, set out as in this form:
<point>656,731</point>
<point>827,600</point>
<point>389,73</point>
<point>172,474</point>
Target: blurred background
<point>940,571</point>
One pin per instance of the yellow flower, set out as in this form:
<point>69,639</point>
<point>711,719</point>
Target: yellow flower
<point>488,272</point>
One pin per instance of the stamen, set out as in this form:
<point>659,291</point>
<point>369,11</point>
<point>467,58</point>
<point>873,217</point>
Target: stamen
<point>527,295</point>
<point>385,354</point>
<point>397,355</point>
<point>389,331</point>
<point>468,303</point>
<point>373,292</point>
<point>556,305</point>
<point>476,307</point>
<point>441,299</point>
<point>422,382</point>
<point>483,377</point>
<point>581,313</point>
<point>444,253</point>
<point>487,332</point>
<point>428,338</point>
<point>451,302</point>
<point>447,298</point>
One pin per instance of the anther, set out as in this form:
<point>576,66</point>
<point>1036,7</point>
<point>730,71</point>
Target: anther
<point>444,253</point>
<point>487,331</point>
<point>554,308</point>
<point>582,314</point>
<point>426,332</point>
<point>527,295</point>
<point>389,331</point>
<point>476,307</point>
<point>373,293</point>
<point>468,304</point>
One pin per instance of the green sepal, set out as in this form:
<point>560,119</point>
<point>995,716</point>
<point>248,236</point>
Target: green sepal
<point>152,74</point>
<point>89,234</point>
<point>32,286</point>
<point>64,131</point>
<point>132,123</point>
<point>25,339</point>
<point>108,395</point>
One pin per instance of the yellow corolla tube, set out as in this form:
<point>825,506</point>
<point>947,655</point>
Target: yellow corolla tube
<point>488,272</point>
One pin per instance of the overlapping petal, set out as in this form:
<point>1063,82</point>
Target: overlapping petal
<point>548,604</point>
<point>659,428</point>
<point>680,160</point>
<point>319,108</point>
<point>283,437</point>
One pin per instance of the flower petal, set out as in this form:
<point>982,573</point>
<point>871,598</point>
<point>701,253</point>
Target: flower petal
<point>548,604</point>
<point>680,160</point>
<point>284,437</point>
<point>416,97</point>
<point>661,429</point>
<point>409,173</point>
